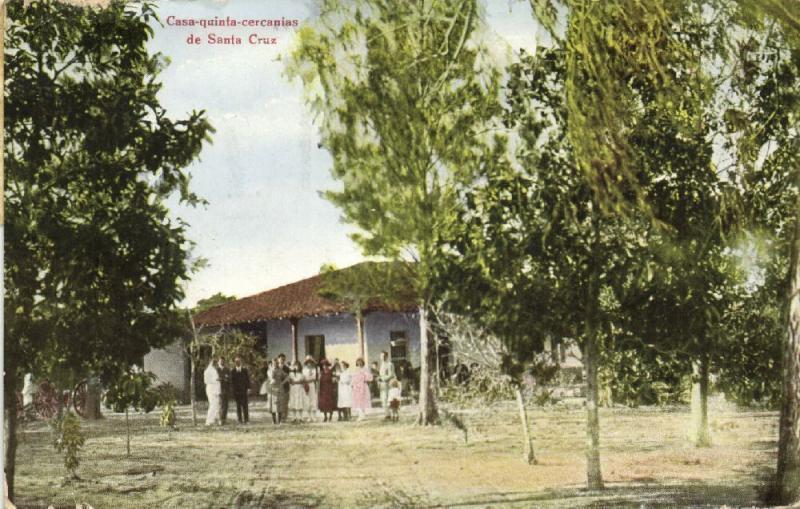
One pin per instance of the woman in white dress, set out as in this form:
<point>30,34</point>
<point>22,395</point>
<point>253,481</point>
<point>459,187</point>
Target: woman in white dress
<point>214,393</point>
<point>345,397</point>
<point>297,392</point>
<point>312,379</point>
<point>28,391</point>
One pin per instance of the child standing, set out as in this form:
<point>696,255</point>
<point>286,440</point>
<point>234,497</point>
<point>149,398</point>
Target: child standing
<point>394,397</point>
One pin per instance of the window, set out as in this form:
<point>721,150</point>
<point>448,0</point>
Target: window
<point>398,346</point>
<point>315,346</point>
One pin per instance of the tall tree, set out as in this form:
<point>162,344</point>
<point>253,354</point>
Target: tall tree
<point>534,256</point>
<point>605,42</point>
<point>762,112</point>
<point>94,265</point>
<point>405,94</point>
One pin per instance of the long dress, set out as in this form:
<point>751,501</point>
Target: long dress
<point>214,393</point>
<point>272,401</point>
<point>297,393</point>
<point>345,396</point>
<point>361,396</point>
<point>327,397</point>
<point>279,391</point>
<point>310,374</point>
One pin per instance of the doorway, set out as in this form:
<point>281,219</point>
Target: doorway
<point>315,346</point>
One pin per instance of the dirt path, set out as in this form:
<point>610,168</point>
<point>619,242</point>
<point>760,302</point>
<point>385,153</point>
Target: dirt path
<point>646,460</point>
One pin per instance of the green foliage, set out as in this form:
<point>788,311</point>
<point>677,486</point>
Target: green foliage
<point>132,390</point>
<point>229,343</point>
<point>386,283</point>
<point>751,342</point>
<point>168,416</point>
<point>213,301</point>
<point>365,65</point>
<point>68,440</point>
<point>166,392</point>
<point>642,377</point>
<point>94,264</point>
<point>484,387</point>
<point>532,256</point>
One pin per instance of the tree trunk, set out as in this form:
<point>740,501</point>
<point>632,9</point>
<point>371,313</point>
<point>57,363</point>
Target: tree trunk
<point>192,392</point>
<point>128,433</point>
<point>428,411</point>
<point>194,352</point>
<point>11,428</point>
<point>700,433</point>
<point>594,477</point>
<point>529,457</point>
<point>10,381</point>
<point>93,399</point>
<point>788,473</point>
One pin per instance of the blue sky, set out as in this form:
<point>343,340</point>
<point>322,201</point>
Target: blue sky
<point>265,224</point>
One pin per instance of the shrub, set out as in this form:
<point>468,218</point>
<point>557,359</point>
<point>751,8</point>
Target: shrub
<point>168,418</point>
<point>68,440</point>
<point>166,393</point>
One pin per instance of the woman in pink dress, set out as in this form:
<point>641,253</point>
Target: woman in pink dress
<point>361,398</point>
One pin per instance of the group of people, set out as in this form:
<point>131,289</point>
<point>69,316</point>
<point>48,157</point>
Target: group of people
<point>300,392</point>
<point>222,383</point>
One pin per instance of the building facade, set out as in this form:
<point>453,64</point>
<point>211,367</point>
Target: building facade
<point>297,320</point>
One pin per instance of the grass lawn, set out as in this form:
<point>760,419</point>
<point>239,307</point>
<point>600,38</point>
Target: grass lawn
<point>646,461</point>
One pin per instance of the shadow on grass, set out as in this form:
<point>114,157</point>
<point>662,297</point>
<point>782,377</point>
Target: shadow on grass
<point>627,495</point>
<point>212,498</point>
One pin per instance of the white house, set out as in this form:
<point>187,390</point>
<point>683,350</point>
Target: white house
<point>296,320</point>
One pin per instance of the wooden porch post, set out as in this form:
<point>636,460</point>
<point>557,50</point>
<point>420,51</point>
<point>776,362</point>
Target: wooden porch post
<point>362,344</point>
<point>294,321</point>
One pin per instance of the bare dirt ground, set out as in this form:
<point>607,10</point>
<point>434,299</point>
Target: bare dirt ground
<point>646,462</point>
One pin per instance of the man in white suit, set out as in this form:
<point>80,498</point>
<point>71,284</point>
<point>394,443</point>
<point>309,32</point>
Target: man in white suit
<point>214,393</point>
<point>385,375</point>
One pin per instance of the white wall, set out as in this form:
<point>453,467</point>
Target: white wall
<point>341,334</point>
<point>169,365</point>
<point>378,326</point>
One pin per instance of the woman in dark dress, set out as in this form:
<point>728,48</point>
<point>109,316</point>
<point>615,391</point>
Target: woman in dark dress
<point>279,392</point>
<point>327,396</point>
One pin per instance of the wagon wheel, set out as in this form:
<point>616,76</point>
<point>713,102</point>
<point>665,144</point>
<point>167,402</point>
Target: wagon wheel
<point>80,396</point>
<point>45,404</point>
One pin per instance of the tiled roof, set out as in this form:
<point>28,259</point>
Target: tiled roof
<point>294,300</point>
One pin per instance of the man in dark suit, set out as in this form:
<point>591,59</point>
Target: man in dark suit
<point>225,382</point>
<point>240,380</point>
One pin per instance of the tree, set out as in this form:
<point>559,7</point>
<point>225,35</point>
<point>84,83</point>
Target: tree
<point>762,114</point>
<point>132,390</point>
<point>495,372</point>
<point>534,256</point>
<point>68,440</point>
<point>367,283</point>
<point>94,265</point>
<point>213,301</point>
<point>605,43</point>
<point>405,96</point>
